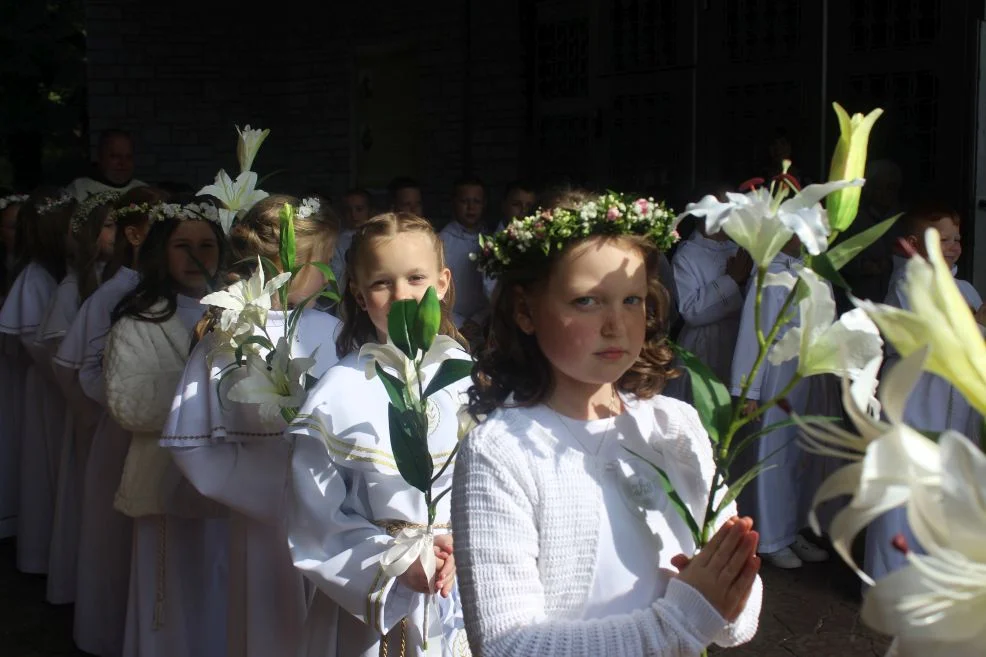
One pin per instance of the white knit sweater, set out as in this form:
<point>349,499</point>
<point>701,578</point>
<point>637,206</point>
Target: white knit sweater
<point>525,513</point>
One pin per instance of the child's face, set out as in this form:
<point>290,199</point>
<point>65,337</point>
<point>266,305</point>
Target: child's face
<point>408,199</point>
<point>951,241</point>
<point>192,247</point>
<point>591,318</point>
<point>106,238</point>
<point>518,204</point>
<point>356,210</point>
<point>8,226</point>
<point>396,268</point>
<point>468,205</point>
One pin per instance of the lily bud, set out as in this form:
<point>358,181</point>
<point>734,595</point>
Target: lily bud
<point>848,163</point>
<point>248,145</point>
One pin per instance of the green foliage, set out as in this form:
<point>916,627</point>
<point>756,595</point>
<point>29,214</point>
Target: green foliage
<point>449,372</point>
<point>427,320</point>
<point>840,254</point>
<point>710,396</point>
<point>288,249</point>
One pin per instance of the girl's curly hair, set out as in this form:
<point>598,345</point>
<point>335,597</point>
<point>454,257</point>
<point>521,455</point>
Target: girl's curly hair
<point>512,362</point>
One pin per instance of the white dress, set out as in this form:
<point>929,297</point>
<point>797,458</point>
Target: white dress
<point>709,301</point>
<point>470,296</point>
<point>105,535</point>
<point>84,187</point>
<point>564,539</point>
<point>62,559</point>
<point>934,405</point>
<point>230,455</point>
<point>176,605</point>
<point>780,498</point>
<point>13,369</point>
<point>22,314</point>
<point>344,481</point>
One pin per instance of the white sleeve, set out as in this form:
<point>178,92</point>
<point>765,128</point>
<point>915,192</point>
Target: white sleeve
<point>703,302</point>
<point>496,540</point>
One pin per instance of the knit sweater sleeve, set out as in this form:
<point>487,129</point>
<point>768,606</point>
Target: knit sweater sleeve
<point>505,602</point>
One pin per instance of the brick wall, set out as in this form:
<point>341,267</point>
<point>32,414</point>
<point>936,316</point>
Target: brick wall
<point>180,74</point>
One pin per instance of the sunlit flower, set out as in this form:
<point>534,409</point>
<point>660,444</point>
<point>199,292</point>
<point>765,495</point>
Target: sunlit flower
<point>848,163</point>
<point>248,145</point>
<point>245,303</point>
<point>238,195</point>
<point>389,356</point>
<point>273,387</point>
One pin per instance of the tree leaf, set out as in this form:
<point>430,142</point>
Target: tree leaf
<point>840,254</point>
<point>679,505</point>
<point>400,322</point>
<point>427,320</point>
<point>449,372</point>
<point>288,248</point>
<point>410,449</point>
<point>822,265</point>
<point>395,388</point>
<point>710,395</point>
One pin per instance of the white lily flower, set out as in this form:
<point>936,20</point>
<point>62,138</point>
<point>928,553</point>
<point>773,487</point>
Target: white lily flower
<point>245,303</point>
<point>389,356</point>
<point>238,195</point>
<point>275,386</point>
<point>887,458</point>
<point>936,605</point>
<point>823,345</point>
<point>762,226</point>
<point>248,145</point>
<point>940,318</point>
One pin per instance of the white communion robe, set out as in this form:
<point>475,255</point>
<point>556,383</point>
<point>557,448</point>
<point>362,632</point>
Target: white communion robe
<point>564,539</point>
<point>232,456</point>
<point>22,315</point>
<point>63,553</point>
<point>84,187</point>
<point>934,405</point>
<point>13,370</point>
<point>709,301</point>
<point>105,534</point>
<point>345,488</point>
<point>471,302</point>
<point>176,605</point>
<point>780,498</point>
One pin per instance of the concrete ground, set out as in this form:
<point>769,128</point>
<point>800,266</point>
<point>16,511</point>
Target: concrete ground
<point>812,612</point>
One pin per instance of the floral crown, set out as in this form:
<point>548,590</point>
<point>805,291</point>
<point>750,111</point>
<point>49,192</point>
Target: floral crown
<point>308,207</point>
<point>52,202</point>
<point>550,231</point>
<point>84,209</point>
<point>13,199</point>
<point>133,208</point>
<point>190,211</point>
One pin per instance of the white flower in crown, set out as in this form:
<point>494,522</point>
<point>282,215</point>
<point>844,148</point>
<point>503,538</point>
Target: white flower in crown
<point>248,145</point>
<point>273,386</point>
<point>191,211</point>
<point>308,207</point>
<point>237,195</point>
<point>245,303</point>
<point>13,199</point>
<point>53,202</point>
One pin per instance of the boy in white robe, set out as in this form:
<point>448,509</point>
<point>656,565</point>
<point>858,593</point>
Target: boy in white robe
<point>461,238</point>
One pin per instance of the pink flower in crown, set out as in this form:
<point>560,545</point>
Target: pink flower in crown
<point>643,206</point>
<point>613,213</point>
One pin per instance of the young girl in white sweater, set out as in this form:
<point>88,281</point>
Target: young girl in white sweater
<point>177,597</point>
<point>348,500</point>
<point>566,543</point>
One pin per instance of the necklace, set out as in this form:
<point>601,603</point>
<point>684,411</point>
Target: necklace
<point>563,420</point>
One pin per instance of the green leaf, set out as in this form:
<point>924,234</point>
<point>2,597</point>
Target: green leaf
<point>710,395</point>
<point>395,388</point>
<point>449,372</point>
<point>253,339</point>
<point>736,487</point>
<point>740,446</point>
<point>270,175</point>
<point>679,505</point>
<point>840,254</point>
<point>427,320</point>
<point>822,265</point>
<point>410,449</point>
<point>288,249</point>
<point>400,321</point>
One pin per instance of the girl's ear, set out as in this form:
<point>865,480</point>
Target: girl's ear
<point>443,282</point>
<point>522,311</point>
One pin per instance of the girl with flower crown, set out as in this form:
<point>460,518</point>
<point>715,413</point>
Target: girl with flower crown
<point>566,541</point>
<point>233,451</point>
<point>91,237</point>
<point>177,600</point>
<point>42,228</point>
<point>349,506</point>
<point>105,535</point>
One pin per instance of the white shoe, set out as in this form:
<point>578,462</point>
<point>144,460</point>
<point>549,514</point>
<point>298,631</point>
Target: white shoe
<point>808,551</point>
<point>784,558</point>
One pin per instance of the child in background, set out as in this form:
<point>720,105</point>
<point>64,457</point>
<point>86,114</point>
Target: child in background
<point>934,405</point>
<point>405,196</point>
<point>348,500</point>
<point>355,213</point>
<point>461,239</point>
<point>176,606</point>
<point>545,494</point>
<point>231,455</point>
<point>518,202</point>
<point>42,231</point>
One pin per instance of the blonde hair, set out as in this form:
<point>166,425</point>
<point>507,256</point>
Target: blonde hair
<point>357,328</point>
